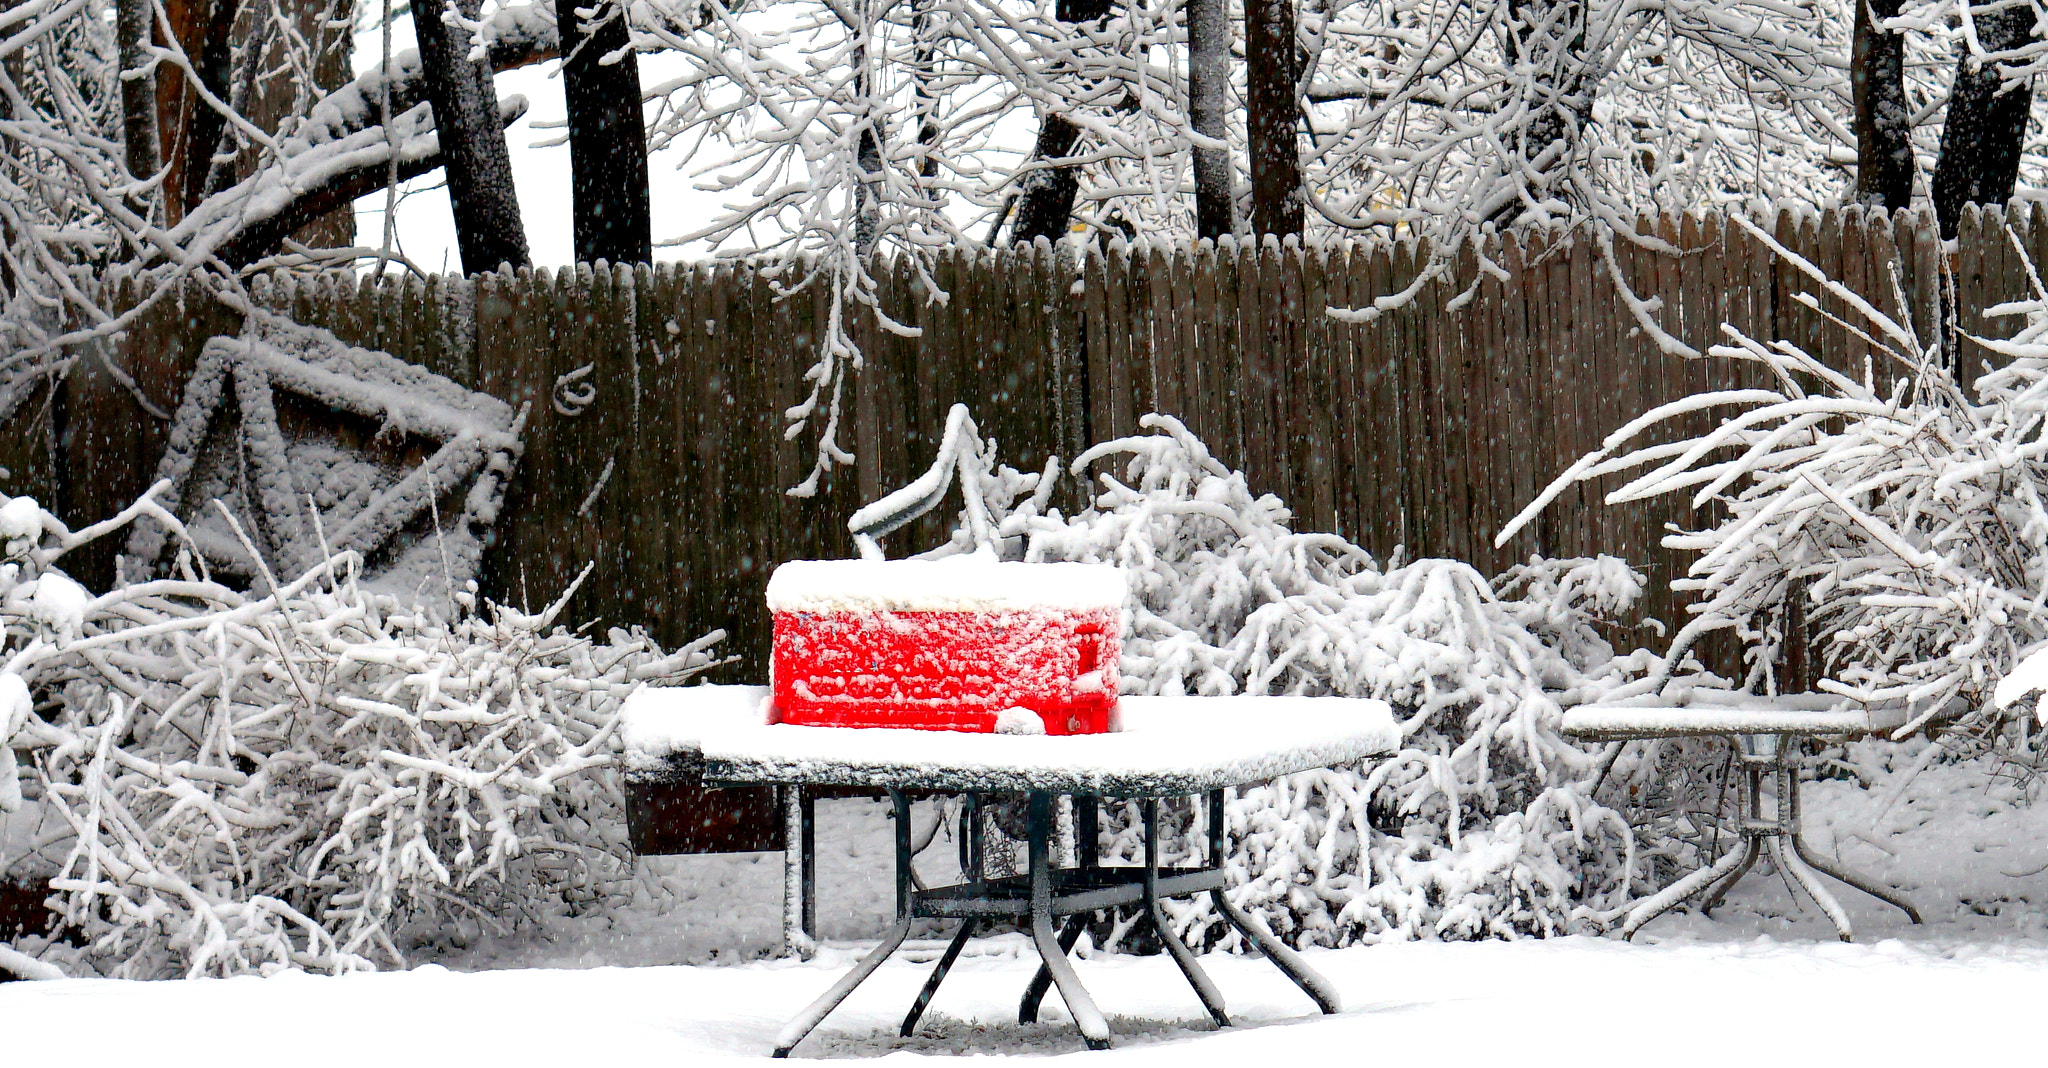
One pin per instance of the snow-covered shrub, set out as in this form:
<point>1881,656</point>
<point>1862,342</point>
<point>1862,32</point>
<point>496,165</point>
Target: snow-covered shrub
<point>1483,824</point>
<point>1899,512</point>
<point>305,777</point>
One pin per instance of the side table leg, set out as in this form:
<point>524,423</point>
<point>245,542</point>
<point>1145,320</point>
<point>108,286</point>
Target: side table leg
<point>1665,900</point>
<point>931,985</point>
<point>1788,862</point>
<point>815,1014</point>
<point>1212,999</point>
<point>811,1017</point>
<point>808,810</point>
<point>1797,833</point>
<point>1719,891</point>
<point>1088,828</point>
<point>1094,1029</point>
<point>1869,886</point>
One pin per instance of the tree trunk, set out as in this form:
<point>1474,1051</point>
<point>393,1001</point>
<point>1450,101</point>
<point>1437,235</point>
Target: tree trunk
<point>1549,39</point>
<point>1877,75</point>
<point>1208,79</point>
<point>1981,137</point>
<point>1272,68</point>
<point>1045,198</point>
<point>607,136</point>
<point>133,24</point>
<point>205,171</point>
<point>480,192</point>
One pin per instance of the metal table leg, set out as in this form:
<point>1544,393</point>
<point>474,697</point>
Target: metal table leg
<point>1087,829</point>
<point>1041,980</point>
<point>1094,1029</point>
<point>1319,989</point>
<point>807,801</point>
<point>931,985</point>
<point>1768,835</point>
<point>1749,806</point>
<point>1212,999</point>
<point>812,1016</point>
<point>1808,881</point>
<point>799,921</point>
<point>1665,900</point>
<point>1861,882</point>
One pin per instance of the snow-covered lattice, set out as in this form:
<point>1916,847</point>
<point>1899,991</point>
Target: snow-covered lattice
<point>313,447</point>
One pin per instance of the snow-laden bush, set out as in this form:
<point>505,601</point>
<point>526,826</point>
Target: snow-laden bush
<point>305,776</point>
<point>1482,825</point>
<point>1896,515</point>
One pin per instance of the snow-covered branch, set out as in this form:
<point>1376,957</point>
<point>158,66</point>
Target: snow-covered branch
<point>1900,513</point>
<point>228,783</point>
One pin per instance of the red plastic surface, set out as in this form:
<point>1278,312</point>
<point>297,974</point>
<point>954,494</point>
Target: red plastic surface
<point>946,670</point>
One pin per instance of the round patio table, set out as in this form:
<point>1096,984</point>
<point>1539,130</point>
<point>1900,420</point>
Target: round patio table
<point>1164,747</point>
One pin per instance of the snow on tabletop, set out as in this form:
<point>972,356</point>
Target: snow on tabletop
<point>1163,746</point>
<point>965,583</point>
<point>658,722</point>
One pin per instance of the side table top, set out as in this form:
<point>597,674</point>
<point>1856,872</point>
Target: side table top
<point>1700,713</point>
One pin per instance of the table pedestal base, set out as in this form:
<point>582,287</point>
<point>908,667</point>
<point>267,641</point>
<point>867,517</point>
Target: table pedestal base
<point>1765,754</point>
<point>1043,895</point>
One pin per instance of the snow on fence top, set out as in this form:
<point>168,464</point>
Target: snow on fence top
<point>966,583</point>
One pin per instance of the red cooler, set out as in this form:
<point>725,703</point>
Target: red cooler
<point>961,644</point>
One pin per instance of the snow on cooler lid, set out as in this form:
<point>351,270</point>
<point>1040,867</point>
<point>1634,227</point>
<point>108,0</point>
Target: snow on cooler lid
<point>965,583</point>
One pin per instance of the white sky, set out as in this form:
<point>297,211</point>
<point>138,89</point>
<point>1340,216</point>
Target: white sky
<point>540,170</point>
<point>426,231</point>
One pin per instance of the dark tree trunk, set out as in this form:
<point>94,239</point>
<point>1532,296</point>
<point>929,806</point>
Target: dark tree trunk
<point>1272,69</point>
<point>1981,137</point>
<point>1045,199</point>
<point>1208,79</point>
<point>206,171</point>
<point>927,99</point>
<point>1877,75</point>
<point>607,136</point>
<point>1550,38</point>
<point>486,206</point>
<point>17,73</point>
<point>133,25</point>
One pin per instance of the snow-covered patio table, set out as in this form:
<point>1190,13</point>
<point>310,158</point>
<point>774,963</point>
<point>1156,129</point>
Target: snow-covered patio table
<point>1764,730</point>
<point>1162,747</point>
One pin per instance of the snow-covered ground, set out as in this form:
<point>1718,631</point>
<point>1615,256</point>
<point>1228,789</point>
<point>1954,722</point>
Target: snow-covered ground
<point>1577,1000</point>
<point>686,978</point>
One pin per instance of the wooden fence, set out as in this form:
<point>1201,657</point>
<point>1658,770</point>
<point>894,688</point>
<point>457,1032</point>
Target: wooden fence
<point>1426,428</point>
